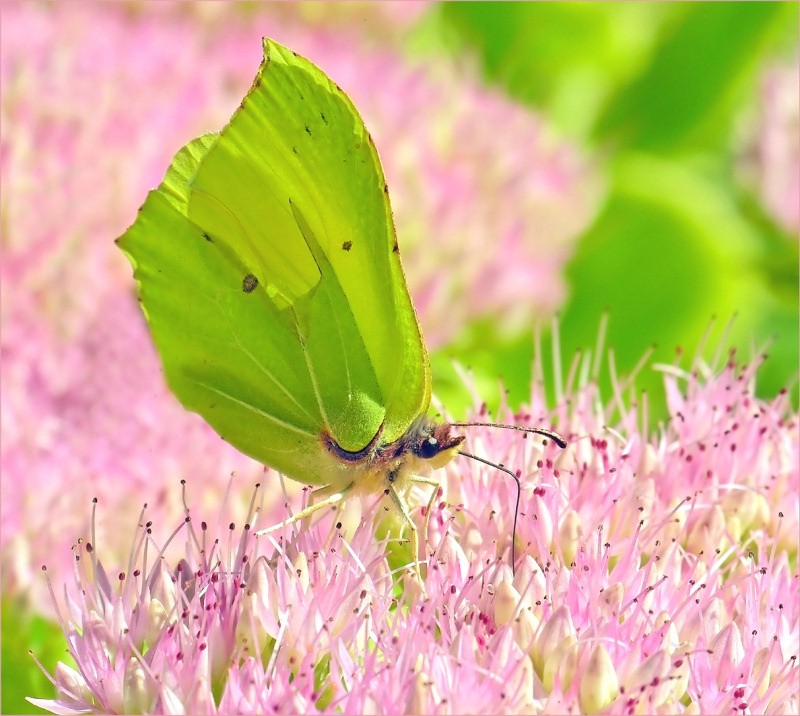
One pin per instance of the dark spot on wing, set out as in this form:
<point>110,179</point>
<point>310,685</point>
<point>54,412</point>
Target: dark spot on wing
<point>385,188</point>
<point>308,131</point>
<point>207,237</point>
<point>323,117</point>
<point>396,248</point>
<point>249,283</point>
<point>294,149</point>
<point>347,245</point>
<point>295,54</point>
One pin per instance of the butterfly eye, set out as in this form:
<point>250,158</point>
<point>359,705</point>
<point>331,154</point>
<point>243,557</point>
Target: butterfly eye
<point>429,448</point>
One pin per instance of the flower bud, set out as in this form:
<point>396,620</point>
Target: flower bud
<point>560,665</point>
<point>553,631</point>
<point>599,685</point>
<point>73,682</point>
<point>762,671</point>
<point>650,677</point>
<point>530,581</point>
<point>137,698</point>
<point>569,535</point>
<point>506,602</point>
<point>707,533</point>
<point>472,540</point>
<point>611,600</point>
<point>727,652</point>
<point>524,629</point>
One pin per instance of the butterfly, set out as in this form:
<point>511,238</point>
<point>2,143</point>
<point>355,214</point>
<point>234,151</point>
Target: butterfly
<point>269,272</point>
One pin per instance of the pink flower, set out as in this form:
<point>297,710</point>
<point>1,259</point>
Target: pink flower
<point>772,160</point>
<point>656,574</point>
<point>97,97</point>
<point>85,411</point>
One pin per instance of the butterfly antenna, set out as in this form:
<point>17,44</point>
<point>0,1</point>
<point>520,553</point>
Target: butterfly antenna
<point>516,506</point>
<point>554,436</point>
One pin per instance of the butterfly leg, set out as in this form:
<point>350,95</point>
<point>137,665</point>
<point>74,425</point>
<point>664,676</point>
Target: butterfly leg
<point>333,499</point>
<point>401,506</point>
<point>336,525</point>
<point>321,493</point>
<point>427,481</point>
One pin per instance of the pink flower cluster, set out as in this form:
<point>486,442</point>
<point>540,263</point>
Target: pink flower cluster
<point>97,97</point>
<point>772,160</point>
<point>658,574</point>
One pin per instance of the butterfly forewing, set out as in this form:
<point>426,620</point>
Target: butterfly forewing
<point>297,139</point>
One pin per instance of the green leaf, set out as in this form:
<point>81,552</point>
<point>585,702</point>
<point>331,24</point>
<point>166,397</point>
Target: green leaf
<point>698,76</point>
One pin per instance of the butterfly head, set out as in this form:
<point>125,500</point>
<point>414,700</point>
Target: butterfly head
<point>432,443</point>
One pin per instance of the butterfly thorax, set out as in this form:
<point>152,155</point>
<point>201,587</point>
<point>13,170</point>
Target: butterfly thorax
<point>424,447</point>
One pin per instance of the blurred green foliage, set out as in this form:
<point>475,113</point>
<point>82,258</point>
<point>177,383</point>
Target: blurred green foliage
<point>25,631</point>
<point>654,92</point>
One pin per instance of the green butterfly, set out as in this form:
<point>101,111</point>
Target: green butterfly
<point>269,272</point>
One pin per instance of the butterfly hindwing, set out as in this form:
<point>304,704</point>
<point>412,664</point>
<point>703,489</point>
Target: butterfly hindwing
<point>229,354</point>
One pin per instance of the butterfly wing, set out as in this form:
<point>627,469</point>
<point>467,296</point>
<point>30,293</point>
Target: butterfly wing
<point>268,270</point>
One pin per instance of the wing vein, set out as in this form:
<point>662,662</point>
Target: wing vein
<point>342,341</point>
<point>312,375</point>
<point>262,368</point>
<point>253,408</point>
